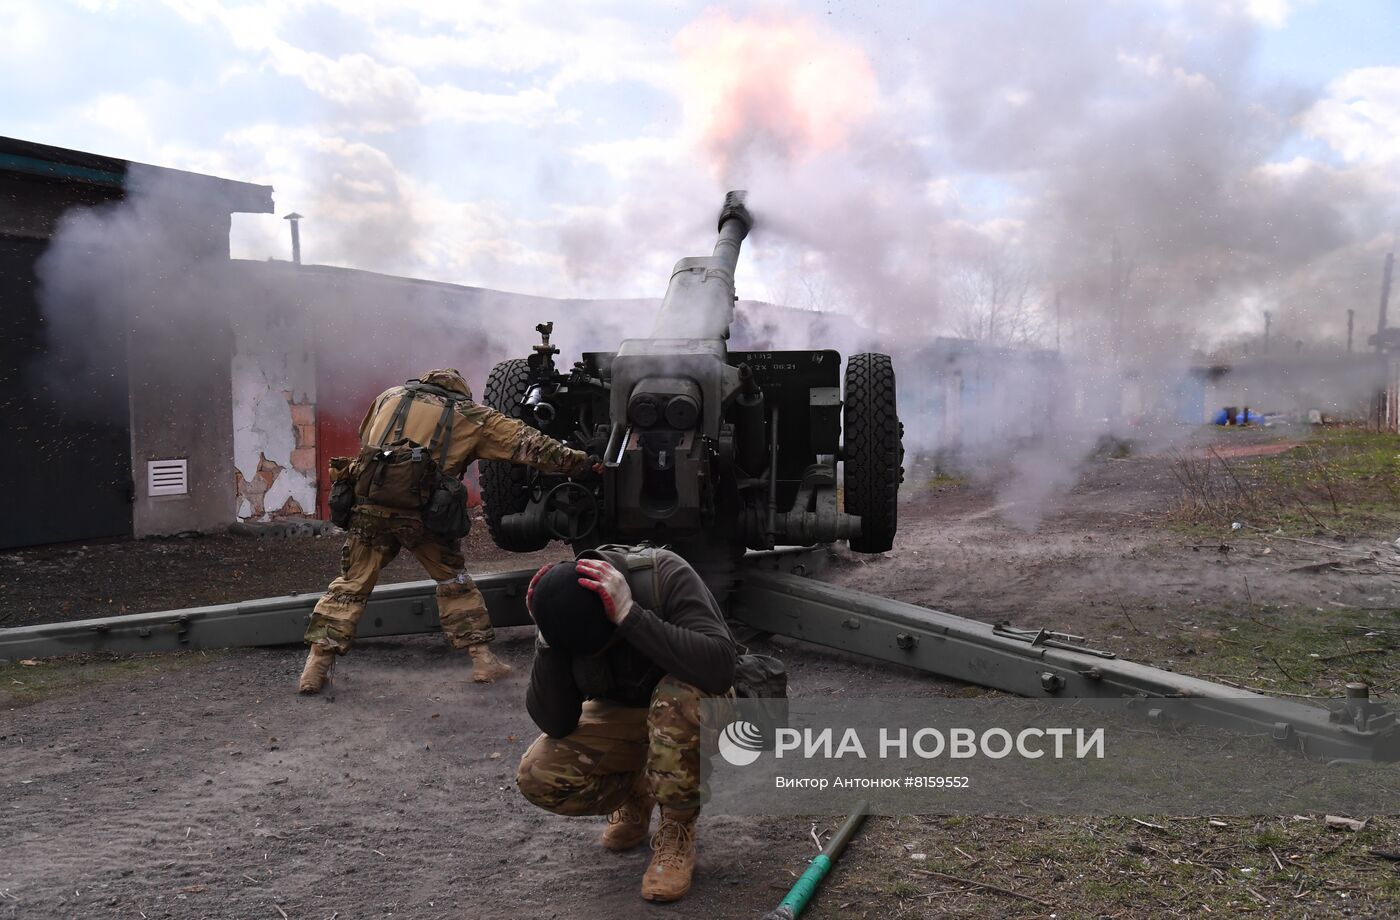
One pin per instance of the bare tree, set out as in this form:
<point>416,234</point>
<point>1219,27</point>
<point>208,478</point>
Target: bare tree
<point>807,286</point>
<point>992,300</point>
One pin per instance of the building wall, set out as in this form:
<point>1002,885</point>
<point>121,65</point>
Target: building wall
<point>274,418</point>
<point>66,460</point>
<point>182,410</point>
<point>179,347</point>
<point>316,345</point>
<point>116,351</point>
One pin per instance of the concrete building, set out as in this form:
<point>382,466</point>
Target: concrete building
<point>100,439</point>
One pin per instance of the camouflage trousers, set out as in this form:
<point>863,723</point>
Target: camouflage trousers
<point>597,767</point>
<point>372,544</point>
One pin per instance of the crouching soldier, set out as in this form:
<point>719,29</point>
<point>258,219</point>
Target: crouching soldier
<point>404,492</point>
<point>622,662</point>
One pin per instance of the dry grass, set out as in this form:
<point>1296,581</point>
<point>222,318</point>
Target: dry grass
<point>1211,492</point>
<point>1173,866</point>
<point>1341,483</point>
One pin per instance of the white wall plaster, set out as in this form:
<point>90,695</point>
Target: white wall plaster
<point>272,357</point>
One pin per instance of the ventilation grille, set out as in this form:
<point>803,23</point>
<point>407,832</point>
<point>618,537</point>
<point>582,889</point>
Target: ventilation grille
<point>167,477</point>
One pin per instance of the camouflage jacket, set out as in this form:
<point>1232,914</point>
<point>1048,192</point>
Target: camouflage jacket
<point>478,432</point>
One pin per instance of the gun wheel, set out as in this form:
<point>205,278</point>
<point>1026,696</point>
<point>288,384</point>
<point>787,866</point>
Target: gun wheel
<point>505,486</point>
<point>874,451</point>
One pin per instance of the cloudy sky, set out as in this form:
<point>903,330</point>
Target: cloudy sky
<point>1240,155</point>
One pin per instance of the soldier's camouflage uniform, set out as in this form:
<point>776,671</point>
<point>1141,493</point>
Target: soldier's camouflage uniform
<point>377,534</point>
<point>647,723</point>
<point>594,769</point>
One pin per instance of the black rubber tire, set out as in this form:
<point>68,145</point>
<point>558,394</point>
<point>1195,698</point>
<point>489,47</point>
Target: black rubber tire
<point>874,451</point>
<point>505,486</point>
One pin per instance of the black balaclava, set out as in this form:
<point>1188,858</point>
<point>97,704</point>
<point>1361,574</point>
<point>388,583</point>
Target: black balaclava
<point>568,615</point>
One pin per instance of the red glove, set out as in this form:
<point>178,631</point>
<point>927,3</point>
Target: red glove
<point>608,583</point>
<point>530,591</point>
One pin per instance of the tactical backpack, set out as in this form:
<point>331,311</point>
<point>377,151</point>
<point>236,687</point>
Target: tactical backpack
<point>397,472</point>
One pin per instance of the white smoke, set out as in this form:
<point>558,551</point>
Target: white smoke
<point>1126,163</point>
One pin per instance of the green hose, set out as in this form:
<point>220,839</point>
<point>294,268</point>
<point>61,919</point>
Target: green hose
<point>802,891</point>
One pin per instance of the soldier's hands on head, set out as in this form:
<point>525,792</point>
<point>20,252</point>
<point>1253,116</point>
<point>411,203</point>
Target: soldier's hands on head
<point>530,591</point>
<point>608,583</point>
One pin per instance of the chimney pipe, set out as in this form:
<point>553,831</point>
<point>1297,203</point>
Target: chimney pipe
<point>1351,324</point>
<point>295,219</point>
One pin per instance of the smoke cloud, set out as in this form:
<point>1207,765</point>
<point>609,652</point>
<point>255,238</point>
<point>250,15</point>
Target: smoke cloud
<point>770,88</point>
<point>1112,182</point>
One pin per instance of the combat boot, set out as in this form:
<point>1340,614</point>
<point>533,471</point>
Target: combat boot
<point>318,666</point>
<point>486,667</point>
<point>673,856</point>
<point>628,826</point>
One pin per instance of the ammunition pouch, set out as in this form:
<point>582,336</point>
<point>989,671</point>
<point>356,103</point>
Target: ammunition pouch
<point>446,512</point>
<point>343,471</point>
<point>762,681</point>
<point>400,475</point>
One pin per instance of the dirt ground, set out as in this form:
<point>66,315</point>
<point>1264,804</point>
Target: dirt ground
<point>199,785</point>
<point>1108,564</point>
<point>112,577</point>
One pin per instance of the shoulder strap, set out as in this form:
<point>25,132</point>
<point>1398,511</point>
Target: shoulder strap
<point>442,434</point>
<point>640,561</point>
<point>397,420</point>
<point>636,559</point>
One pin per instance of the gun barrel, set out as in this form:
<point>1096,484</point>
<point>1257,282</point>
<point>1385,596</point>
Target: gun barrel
<point>734,224</point>
<point>699,301</point>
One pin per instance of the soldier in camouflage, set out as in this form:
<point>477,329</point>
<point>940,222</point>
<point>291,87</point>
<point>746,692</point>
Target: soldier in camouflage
<point>616,687</point>
<point>377,533</point>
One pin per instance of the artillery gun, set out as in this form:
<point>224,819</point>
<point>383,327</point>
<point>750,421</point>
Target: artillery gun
<point>707,450</point>
<point>713,451</point>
